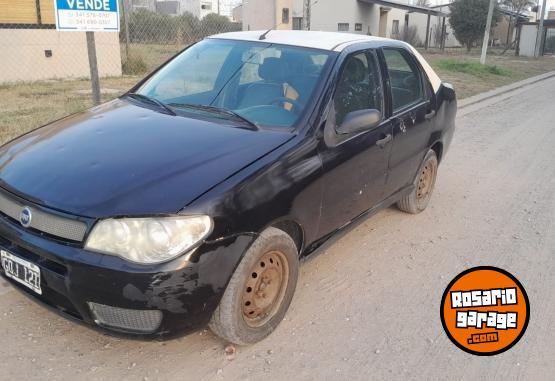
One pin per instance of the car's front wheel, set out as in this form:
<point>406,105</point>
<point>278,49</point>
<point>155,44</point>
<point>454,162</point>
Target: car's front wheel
<point>419,198</point>
<point>260,290</point>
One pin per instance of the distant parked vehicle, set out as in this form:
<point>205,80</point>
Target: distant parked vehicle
<point>189,200</point>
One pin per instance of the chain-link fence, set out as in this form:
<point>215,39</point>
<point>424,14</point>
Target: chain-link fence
<point>45,74</point>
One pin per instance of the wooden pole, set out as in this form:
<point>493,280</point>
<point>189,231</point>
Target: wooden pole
<point>95,82</point>
<point>125,11</point>
<point>427,43</point>
<point>443,32</point>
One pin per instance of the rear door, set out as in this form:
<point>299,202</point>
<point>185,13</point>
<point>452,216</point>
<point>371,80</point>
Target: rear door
<point>411,115</point>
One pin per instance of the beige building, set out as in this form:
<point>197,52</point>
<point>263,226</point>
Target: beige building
<point>32,49</point>
<point>382,18</point>
<point>266,14</point>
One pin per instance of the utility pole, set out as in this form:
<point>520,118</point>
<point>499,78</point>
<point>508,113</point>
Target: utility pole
<point>307,14</point>
<point>539,37</point>
<point>486,33</point>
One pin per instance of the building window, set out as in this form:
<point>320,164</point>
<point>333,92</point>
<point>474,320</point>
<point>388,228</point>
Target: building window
<point>285,16</point>
<point>297,23</point>
<point>206,6</point>
<point>358,27</point>
<point>343,27</point>
<point>395,28</point>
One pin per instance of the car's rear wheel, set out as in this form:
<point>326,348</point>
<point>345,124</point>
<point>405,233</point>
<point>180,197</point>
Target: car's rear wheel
<point>416,201</point>
<point>260,290</point>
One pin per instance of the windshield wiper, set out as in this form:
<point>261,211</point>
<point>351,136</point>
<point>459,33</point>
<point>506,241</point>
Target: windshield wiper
<point>219,110</point>
<point>153,101</point>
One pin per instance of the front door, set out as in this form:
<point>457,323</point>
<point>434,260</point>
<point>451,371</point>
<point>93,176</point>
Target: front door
<point>355,167</point>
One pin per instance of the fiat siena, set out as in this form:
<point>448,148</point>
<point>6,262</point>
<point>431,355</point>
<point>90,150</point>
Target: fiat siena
<point>188,201</point>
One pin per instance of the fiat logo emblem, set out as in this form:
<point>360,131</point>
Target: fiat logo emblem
<point>25,217</point>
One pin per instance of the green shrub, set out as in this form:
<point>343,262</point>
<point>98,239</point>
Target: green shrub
<point>155,28</point>
<point>475,68</point>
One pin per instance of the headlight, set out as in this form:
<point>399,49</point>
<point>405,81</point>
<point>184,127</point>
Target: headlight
<point>149,240</point>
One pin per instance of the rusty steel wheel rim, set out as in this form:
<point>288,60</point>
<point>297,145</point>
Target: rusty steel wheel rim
<point>265,288</point>
<point>426,181</point>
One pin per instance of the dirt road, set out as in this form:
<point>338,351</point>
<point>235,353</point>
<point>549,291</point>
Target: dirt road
<point>368,305</point>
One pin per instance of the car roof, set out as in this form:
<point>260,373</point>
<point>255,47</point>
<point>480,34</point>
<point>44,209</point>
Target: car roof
<point>333,41</point>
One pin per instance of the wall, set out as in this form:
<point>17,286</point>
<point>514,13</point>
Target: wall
<point>237,13</point>
<point>280,5</point>
<point>23,57</point>
<point>528,40</point>
<point>258,14</point>
<point>395,14</point>
<point>326,14</point>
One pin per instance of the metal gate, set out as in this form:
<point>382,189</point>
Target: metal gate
<point>549,44</point>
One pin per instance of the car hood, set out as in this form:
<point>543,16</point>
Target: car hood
<point>120,159</point>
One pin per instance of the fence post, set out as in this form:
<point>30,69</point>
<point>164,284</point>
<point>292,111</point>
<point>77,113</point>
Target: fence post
<point>125,11</point>
<point>95,82</point>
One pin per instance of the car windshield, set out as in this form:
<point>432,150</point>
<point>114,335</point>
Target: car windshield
<point>261,83</point>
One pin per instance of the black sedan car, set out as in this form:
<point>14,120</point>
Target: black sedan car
<point>188,201</point>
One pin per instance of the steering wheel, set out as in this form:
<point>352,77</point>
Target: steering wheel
<point>295,103</point>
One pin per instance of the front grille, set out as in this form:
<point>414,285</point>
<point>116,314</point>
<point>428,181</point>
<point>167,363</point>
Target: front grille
<point>143,321</point>
<point>44,222</point>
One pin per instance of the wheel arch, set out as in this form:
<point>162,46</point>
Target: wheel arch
<point>293,229</point>
<point>437,147</point>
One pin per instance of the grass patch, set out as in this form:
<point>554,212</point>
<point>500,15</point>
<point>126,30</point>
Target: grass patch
<point>474,68</point>
<point>134,65</point>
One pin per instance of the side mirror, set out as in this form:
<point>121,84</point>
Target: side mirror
<point>448,91</point>
<point>360,120</point>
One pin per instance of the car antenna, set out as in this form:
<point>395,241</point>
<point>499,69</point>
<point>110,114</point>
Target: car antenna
<point>263,35</point>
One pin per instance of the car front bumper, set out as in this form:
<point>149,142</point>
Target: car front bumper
<point>107,292</point>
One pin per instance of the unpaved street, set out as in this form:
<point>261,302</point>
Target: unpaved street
<point>367,306</point>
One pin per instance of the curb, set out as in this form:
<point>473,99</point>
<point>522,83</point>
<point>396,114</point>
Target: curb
<point>503,89</point>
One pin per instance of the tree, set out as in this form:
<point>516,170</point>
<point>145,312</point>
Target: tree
<point>468,20</point>
<point>516,6</point>
<point>213,24</point>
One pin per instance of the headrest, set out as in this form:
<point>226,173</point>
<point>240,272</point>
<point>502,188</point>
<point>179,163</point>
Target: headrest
<point>355,71</point>
<point>271,70</point>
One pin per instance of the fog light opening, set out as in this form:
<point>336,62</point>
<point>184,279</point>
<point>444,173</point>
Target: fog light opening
<point>139,321</point>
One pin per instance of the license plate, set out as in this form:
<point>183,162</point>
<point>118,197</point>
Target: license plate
<point>22,271</point>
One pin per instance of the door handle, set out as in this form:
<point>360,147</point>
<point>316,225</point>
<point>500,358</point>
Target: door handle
<point>430,115</point>
<point>382,142</point>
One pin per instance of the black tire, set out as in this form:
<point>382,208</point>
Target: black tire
<point>231,320</point>
<point>416,201</point>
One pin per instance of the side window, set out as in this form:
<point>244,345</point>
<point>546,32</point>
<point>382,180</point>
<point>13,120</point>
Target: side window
<point>406,86</point>
<point>358,87</point>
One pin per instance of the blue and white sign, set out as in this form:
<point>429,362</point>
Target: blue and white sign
<point>87,15</point>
